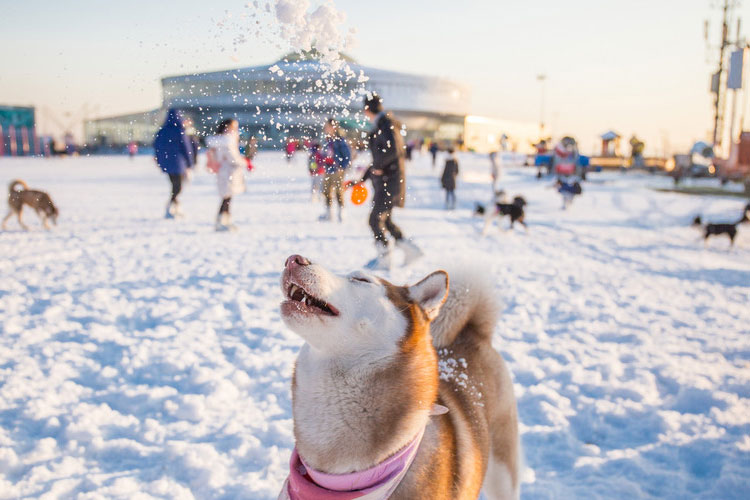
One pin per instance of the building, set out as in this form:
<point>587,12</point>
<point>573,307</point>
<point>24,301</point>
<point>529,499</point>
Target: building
<point>484,135</point>
<point>116,131</point>
<point>292,97</point>
<point>18,131</point>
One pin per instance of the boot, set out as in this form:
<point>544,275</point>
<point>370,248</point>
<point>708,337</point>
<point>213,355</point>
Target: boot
<point>328,215</point>
<point>383,261</point>
<point>411,251</point>
<point>170,213</point>
<point>224,222</point>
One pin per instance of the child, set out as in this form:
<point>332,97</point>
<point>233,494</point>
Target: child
<point>450,172</point>
<point>224,152</point>
<point>336,159</point>
<point>317,170</point>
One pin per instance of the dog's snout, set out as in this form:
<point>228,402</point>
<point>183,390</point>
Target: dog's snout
<point>296,260</point>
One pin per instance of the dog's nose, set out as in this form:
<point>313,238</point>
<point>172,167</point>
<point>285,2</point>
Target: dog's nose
<point>296,260</point>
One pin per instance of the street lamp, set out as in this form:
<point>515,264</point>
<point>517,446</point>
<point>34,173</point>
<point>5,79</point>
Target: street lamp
<point>542,79</point>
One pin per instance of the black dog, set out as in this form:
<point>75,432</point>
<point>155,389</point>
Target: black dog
<point>514,210</point>
<point>730,229</point>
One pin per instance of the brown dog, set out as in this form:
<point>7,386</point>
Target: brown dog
<point>38,200</point>
<point>380,366</point>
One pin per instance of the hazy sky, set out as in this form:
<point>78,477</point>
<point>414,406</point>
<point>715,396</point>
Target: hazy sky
<point>634,66</point>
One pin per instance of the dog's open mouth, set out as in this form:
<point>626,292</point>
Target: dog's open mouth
<point>296,293</point>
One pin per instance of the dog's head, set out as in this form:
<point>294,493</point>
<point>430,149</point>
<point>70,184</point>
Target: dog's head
<point>519,201</point>
<point>357,314</point>
<point>745,215</point>
<point>500,196</point>
<point>50,211</point>
<point>697,221</point>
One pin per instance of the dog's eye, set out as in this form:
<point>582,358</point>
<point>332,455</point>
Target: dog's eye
<point>359,278</point>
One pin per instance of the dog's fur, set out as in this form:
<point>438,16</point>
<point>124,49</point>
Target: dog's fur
<point>367,377</point>
<point>500,208</point>
<point>37,200</point>
<point>728,228</point>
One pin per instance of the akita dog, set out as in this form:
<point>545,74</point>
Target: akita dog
<point>397,392</point>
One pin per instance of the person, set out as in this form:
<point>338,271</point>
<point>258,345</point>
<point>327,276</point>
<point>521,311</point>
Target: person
<point>132,149</point>
<point>173,153</point>
<point>291,148</point>
<point>434,148</point>
<point>450,172</point>
<point>636,152</point>
<point>388,177</point>
<point>494,168</point>
<point>337,158</point>
<point>251,149</point>
<point>316,169</point>
<point>193,136</point>
<point>409,149</point>
<point>224,151</point>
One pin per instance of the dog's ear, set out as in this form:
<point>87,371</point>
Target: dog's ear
<point>430,293</point>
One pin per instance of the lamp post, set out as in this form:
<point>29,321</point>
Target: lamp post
<point>541,79</point>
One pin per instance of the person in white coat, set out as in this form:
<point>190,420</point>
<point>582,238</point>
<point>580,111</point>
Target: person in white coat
<point>224,153</point>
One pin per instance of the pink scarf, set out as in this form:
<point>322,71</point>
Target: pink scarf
<point>376,483</point>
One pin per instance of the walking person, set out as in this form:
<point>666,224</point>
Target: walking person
<point>316,170</point>
<point>450,172</point>
<point>434,148</point>
<point>132,149</point>
<point>174,154</point>
<point>224,152</point>
<point>494,169</point>
<point>337,159</point>
<point>388,177</point>
<point>251,149</point>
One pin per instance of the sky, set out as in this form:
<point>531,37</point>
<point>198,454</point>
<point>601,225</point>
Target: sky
<point>633,66</point>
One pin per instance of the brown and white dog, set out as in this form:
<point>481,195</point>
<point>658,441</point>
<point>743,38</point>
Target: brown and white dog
<point>377,361</point>
<point>38,200</point>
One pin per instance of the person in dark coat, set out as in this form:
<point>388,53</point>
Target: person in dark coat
<point>450,172</point>
<point>175,154</point>
<point>388,176</point>
<point>434,148</point>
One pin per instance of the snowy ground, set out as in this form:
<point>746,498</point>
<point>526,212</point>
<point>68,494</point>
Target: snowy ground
<point>145,358</point>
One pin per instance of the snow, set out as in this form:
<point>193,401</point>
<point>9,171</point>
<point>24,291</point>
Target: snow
<point>145,358</point>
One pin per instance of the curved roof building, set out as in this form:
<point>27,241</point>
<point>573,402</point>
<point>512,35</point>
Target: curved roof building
<point>294,96</point>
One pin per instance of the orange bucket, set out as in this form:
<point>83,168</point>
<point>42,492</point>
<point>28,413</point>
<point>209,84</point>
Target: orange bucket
<point>359,194</point>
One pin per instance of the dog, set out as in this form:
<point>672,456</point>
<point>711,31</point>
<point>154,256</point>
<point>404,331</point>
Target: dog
<point>397,392</point>
<point>568,190</point>
<point>730,229</point>
<point>38,200</point>
<point>514,210</point>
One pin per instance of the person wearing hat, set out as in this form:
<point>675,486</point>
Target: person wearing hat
<point>388,177</point>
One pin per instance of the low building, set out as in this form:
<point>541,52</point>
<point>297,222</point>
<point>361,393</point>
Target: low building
<point>18,131</point>
<point>485,135</point>
<point>117,131</point>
